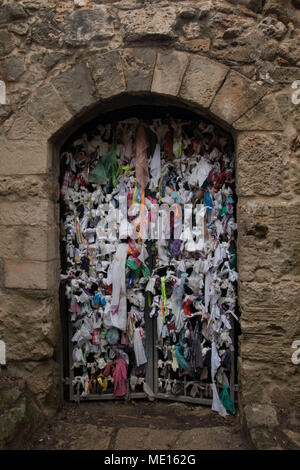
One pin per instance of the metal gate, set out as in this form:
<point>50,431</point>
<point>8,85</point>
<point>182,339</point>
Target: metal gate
<point>162,377</point>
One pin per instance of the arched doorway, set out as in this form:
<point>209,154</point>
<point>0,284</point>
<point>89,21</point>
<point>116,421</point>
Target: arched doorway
<point>169,351</point>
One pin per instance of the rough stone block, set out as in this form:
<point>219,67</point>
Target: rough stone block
<point>202,80</point>
<point>82,93</point>
<point>263,117</point>
<point>13,67</point>
<point>40,245</point>
<point>138,65</point>
<point>293,436</point>
<point>27,213</point>
<point>273,384</point>
<point>5,112</point>
<point>269,240</point>
<point>197,45</point>
<point>47,107</point>
<point>29,275</point>
<point>24,157</point>
<point>154,24</point>
<point>7,43</point>
<point>12,12</point>
<point>237,95</point>
<point>261,415</point>
<point>11,421</point>
<point>24,127</point>
<point>44,381</point>
<point>16,187</point>
<point>9,242</point>
<point>295,176</point>
<point>28,327</point>
<point>169,71</point>
<point>107,71</point>
<point>259,165</point>
<point>266,345</point>
<point>84,26</point>
<point>93,438</point>
<point>143,438</point>
<point>209,438</point>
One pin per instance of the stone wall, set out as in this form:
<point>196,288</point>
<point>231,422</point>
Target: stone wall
<point>234,61</point>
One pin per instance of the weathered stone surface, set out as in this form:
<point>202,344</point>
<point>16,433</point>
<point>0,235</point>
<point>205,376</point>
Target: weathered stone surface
<point>138,65</point>
<point>16,187</point>
<point>7,43</point>
<point>9,242</point>
<point>155,24</point>
<point>270,50</point>
<point>11,421</point>
<point>8,396</point>
<point>80,3</point>
<point>47,107</point>
<point>82,93</point>
<point>25,128</point>
<point>86,25</point>
<point>93,438</point>
<point>169,72</point>
<point>255,5</point>
<point>293,436</point>
<point>14,67</point>
<point>295,176</point>
<point>263,117</point>
<point>283,76</point>
<point>142,438</point>
<point>24,157</point>
<point>28,327</point>
<point>272,27</point>
<point>263,439</point>
<point>108,74</point>
<point>52,58</point>
<point>237,95</point>
<point>47,33</point>
<point>232,33</point>
<point>188,13</point>
<point>40,245</point>
<point>261,415</point>
<point>191,30</point>
<point>259,165</point>
<point>270,238</point>
<point>202,80</point>
<point>214,438</point>
<point>19,28</point>
<point>275,349</point>
<point>198,45</point>
<point>284,103</point>
<point>290,50</point>
<point>5,112</point>
<point>277,8</point>
<point>204,10</point>
<point>12,12</point>
<point>43,379</point>
<point>28,275</point>
<point>29,213</point>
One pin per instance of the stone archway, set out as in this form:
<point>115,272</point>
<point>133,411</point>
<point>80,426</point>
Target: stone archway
<point>29,215</point>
